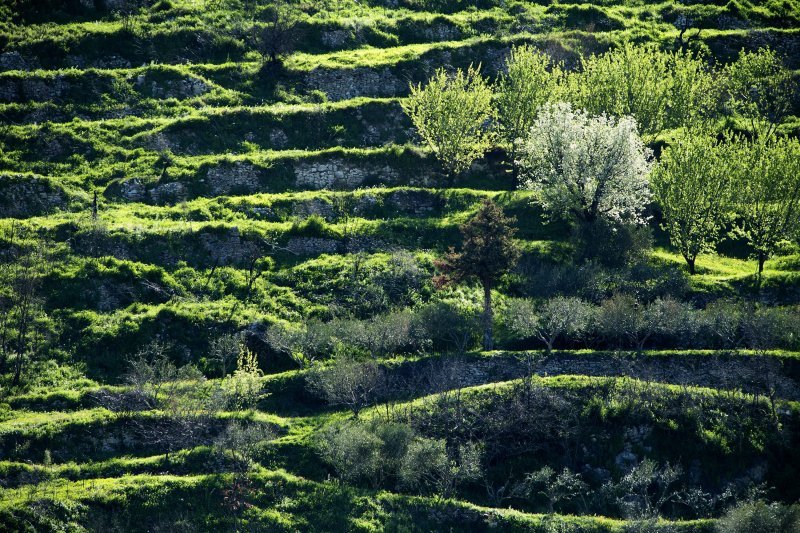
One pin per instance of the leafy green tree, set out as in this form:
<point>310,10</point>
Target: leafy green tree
<point>630,80</point>
<point>451,114</point>
<point>660,89</point>
<point>530,81</point>
<point>767,191</point>
<point>760,88</point>
<point>692,186</point>
<point>488,251</point>
<point>586,168</point>
<point>693,94</point>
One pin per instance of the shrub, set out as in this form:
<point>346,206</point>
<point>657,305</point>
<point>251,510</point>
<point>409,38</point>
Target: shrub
<point>759,516</point>
<point>450,327</point>
<point>353,451</point>
<point>348,383</point>
<point>370,452</point>
<point>428,466</point>
<point>243,388</point>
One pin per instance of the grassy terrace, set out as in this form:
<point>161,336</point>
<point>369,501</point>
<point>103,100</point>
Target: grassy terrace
<point>292,208</point>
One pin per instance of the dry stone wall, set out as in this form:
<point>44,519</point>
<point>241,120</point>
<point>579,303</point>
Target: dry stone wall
<point>24,196</point>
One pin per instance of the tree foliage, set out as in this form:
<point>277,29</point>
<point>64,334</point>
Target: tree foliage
<point>692,187</point>
<point>487,252</point>
<point>452,115</point>
<point>760,88</point>
<point>586,167</point>
<point>660,89</point>
<point>279,34</point>
<point>767,191</point>
<point>530,81</point>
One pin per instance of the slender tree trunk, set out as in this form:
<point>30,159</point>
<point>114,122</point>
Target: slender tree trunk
<point>488,317</point>
<point>690,261</point>
<point>762,258</point>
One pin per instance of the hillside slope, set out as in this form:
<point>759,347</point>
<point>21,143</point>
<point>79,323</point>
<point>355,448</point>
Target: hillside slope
<point>165,189</point>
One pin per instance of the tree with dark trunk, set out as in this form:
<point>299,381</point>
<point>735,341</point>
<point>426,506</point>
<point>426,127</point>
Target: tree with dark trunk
<point>279,35</point>
<point>766,186</point>
<point>487,252</point>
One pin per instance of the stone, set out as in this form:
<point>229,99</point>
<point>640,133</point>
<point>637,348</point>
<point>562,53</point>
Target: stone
<point>133,190</point>
<point>342,84</point>
<point>240,177</point>
<point>278,139</point>
<point>24,196</point>
<point>312,245</point>
<point>13,61</point>
<point>340,174</point>
<point>626,460</point>
<point>171,192</point>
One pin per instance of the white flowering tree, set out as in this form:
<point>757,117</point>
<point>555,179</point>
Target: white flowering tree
<point>586,168</point>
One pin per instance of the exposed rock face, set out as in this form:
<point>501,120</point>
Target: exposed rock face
<point>224,248</point>
<point>340,174</point>
<point>25,196</point>
<point>312,245</point>
<point>241,176</point>
<point>341,84</point>
<point>278,139</point>
<point>315,206</point>
<point>133,190</point>
<point>416,203</point>
<point>245,177</point>
<point>171,192</point>
<point>441,32</point>
<point>178,88</point>
<point>15,61</point>
<point>335,39</point>
<point>111,61</point>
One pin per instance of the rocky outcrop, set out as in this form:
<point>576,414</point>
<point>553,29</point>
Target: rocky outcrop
<point>240,177</point>
<point>341,174</point>
<point>186,87</point>
<point>13,60</point>
<point>312,245</point>
<point>342,84</point>
<point>24,196</point>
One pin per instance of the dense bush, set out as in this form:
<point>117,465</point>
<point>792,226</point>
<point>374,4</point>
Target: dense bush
<point>758,516</point>
<point>387,454</point>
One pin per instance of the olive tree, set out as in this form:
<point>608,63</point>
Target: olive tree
<point>556,318</point>
<point>22,312</point>
<point>278,36</point>
<point>586,168</point>
<point>451,115</point>
<point>348,383</point>
<point>692,187</point>
<point>757,516</point>
<point>767,191</point>
<point>427,465</point>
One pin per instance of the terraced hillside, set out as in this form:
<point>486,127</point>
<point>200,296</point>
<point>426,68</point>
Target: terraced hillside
<point>216,284</point>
